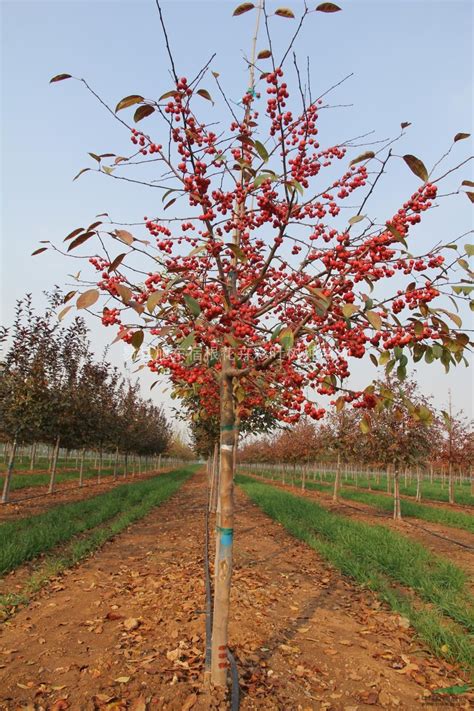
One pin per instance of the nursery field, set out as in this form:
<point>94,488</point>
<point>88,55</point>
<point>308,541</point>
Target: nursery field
<point>107,595</point>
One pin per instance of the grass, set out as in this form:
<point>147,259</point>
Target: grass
<point>26,538</point>
<point>431,491</point>
<point>426,588</point>
<point>26,480</point>
<point>410,509</point>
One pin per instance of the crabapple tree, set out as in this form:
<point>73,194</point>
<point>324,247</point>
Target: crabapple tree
<point>265,254</point>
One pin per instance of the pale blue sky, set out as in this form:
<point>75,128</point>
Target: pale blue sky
<point>412,62</point>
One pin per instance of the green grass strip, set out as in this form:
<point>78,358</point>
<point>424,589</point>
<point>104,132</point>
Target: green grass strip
<point>23,481</point>
<point>381,560</point>
<point>27,538</point>
<point>431,491</point>
<point>410,509</point>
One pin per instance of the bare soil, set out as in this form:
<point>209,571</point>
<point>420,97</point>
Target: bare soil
<point>126,629</point>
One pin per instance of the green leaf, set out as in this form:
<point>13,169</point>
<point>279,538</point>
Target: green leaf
<point>416,166</point>
<point>384,357</point>
<point>453,689</point>
<point>401,372</point>
<point>129,101</point>
<point>469,249</point>
<point>364,425</point>
<point>245,7</point>
<point>286,338</point>
<point>142,112</point>
<point>363,156</point>
<point>192,305</point>
<point>60,77</point>
<point>262,151</point>
<point>187,342</point>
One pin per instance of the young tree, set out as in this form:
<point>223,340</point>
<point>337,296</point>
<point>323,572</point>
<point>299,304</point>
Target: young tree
<point>259,263</point>
<point>398,430</point>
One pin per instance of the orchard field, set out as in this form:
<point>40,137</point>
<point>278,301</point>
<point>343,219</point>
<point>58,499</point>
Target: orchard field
<point>236,437</point>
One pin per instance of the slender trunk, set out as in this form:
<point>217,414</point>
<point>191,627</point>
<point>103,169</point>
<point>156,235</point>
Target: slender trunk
<point>388,479</point>
<point>303,477</point>
<point>418,483</point>
<point>431,472</point>
<point>81,467</point>
<point>215,479</point>
<point>397,511</point>
<point>450,484</point>
<point>125,466</point>
<point>99,471</point>
<point>33,456</point>
<point>52,479</point>
<point>116,463</point>
<point>337,479</point>
<point>224,533</point>
<point>8,475</point>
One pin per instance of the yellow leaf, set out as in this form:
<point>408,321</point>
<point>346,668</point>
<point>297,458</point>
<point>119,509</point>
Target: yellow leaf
<point>374,320</point>
<point>88,298</point>
<point>349,309</point>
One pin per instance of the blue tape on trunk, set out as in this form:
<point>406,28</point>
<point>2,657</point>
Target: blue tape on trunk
<point>227,535</point>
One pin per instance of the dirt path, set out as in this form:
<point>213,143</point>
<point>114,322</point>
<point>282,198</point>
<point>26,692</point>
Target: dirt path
<point>453,543</point>
<point>125,630</point>
<point>35,499</point>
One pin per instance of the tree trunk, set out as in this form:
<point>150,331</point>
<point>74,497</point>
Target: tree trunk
<point>54,463</point>
<point>8,475</point>
<point>125,466</point>
<point>388,479</point>
<point>116,463</point>
<point>215,479</point>
<point>33,456</point>
<point>418,483</point>
<point>159,462</point>
<point>99,470</point>
<point>450,484</point>
<point>337,479</point>
<point>397,511</point>
<point>81,467</point>
<point>224,532</point>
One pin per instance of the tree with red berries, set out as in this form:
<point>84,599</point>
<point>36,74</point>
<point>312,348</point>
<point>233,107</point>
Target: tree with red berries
<point>255,261</point>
